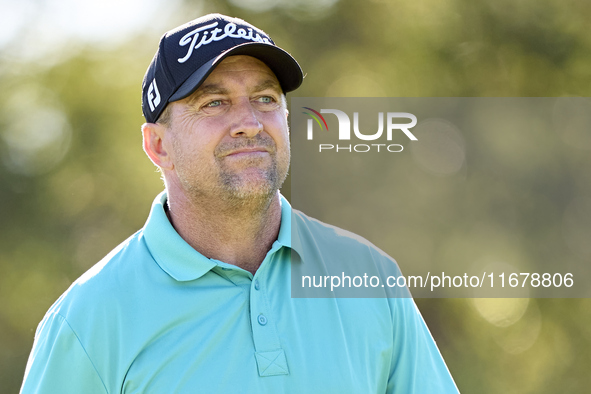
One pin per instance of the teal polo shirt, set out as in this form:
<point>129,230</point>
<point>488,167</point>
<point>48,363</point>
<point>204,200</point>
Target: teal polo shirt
<point>156,316</point>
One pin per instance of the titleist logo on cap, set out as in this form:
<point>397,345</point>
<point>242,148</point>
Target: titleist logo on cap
<point>228,31</point>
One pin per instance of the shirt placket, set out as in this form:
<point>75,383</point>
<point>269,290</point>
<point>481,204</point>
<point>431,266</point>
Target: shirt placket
<point>270,356</point>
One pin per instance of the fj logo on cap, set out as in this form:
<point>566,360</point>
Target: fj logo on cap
<point>229,31</point>
<point>153,95</point>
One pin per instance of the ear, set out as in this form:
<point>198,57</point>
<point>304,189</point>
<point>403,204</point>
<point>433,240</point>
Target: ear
<point>154,146</point>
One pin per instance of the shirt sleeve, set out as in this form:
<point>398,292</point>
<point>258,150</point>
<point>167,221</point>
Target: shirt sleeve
<point>59,363</point>
<point>417,366</point>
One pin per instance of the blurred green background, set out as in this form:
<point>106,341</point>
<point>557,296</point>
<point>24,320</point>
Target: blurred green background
<point>74,181</point>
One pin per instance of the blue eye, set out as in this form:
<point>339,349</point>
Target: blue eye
<point>214,103</point>
<point>266,99</point>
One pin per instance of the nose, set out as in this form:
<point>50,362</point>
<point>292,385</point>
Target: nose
<point>245,122</point>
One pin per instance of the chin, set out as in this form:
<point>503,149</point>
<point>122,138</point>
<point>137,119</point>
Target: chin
<point>253,191</point>
<point>251,182</point>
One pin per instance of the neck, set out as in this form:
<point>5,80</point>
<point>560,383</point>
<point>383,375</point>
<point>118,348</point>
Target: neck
<point>236,233</point>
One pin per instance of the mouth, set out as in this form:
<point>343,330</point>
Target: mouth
<point>248,152</point>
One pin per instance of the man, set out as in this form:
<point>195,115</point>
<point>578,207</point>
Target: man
<point>199,299</point>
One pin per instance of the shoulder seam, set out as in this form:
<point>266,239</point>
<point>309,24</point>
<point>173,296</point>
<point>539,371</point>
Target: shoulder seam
<point>85,352</point>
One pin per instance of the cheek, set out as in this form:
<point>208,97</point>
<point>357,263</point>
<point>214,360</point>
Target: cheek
<point>276,125</point>
<point>201,140</point>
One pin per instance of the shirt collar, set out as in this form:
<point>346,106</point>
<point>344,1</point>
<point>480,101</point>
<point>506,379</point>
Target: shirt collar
<point>176,257</point>
<point>288,233</point>
<point>172,253</point>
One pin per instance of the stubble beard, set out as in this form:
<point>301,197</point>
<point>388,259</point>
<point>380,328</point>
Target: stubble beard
<point>236,189</point>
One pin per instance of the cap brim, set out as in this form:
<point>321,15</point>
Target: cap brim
<point>284,66</point>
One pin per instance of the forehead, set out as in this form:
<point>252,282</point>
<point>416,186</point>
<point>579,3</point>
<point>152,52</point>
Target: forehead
<point>242,62</point>
<point>240,67</point>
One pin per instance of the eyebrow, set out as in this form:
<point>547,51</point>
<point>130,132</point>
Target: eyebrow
<point>205,90</point>
<point>217,89</point>
<point>268,84</point>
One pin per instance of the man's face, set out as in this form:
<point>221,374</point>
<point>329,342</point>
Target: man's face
<point>230,138</point>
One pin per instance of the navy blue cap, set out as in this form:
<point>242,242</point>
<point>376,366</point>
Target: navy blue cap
<point>188,54</point>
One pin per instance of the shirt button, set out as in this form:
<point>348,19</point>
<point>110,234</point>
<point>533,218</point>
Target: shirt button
<point>262,320</point>
<point>257,286</point>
